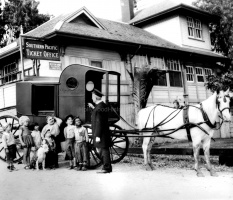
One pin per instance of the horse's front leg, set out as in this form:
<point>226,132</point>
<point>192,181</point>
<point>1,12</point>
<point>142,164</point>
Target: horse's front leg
<point>196,151</point>
<point>146,153</point>
<point>206,148</point>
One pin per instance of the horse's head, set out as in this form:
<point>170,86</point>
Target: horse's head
<point>223,104</point>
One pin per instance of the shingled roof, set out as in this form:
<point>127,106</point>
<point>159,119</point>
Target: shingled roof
<point>112,31</point>
<point>161,8</point>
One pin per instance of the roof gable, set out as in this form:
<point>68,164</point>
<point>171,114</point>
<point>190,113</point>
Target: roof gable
<point>83,16</point>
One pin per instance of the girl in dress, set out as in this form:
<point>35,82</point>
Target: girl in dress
<point>8,142</point>
<point>69,136</point>
<point>26,140</point>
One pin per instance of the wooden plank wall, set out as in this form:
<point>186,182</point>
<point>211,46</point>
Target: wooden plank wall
<point>8,96</point>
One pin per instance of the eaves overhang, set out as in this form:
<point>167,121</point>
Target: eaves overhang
<point>10,52</point>
<point>177,9</point>
<point>180,52</point>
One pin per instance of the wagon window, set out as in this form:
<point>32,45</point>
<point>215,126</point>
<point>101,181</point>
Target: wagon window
<point>72,83</point>
<point>43,98</point>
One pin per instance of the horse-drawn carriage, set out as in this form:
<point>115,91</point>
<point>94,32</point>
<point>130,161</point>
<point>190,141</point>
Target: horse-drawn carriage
<point>72,93</point>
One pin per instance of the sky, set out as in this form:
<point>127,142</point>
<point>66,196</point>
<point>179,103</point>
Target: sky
<point>108,9</point>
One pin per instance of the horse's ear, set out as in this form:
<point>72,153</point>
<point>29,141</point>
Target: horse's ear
<point>227,92</point>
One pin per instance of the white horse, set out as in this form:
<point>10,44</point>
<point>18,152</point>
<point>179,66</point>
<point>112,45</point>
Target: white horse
<point>167,119</point>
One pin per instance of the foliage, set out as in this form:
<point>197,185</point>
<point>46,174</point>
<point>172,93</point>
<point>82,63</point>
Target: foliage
<point>20,12</point>
<point>223,82</point>
<point>143,81</point>
<point>221,33</point>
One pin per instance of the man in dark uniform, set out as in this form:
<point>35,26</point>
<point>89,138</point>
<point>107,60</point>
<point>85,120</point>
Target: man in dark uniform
<point>100,130</point>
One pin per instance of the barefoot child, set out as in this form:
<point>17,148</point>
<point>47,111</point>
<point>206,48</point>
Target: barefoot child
<point>26,140</point>
<point>81,139</point>
<point>8,141</point>
<point>36,135</point>
<point>69,136</point>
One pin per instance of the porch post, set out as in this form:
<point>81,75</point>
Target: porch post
<point>21,51</point>
<point>186,96</point>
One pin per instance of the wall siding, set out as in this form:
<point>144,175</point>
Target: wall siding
<point>8,96</point>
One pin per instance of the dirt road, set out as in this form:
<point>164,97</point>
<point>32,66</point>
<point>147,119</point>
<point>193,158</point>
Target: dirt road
<point>128,181</point>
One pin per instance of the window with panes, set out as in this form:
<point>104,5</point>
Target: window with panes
<point>194,28</point>
<point>159,63</point>
<point>199,74</point>
<point>9,73</point>
<point>96,64</point>
<point>207,72</point>
<point>189,73</point>
<point>174,73</point>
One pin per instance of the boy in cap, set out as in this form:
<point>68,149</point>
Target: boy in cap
<point>100,130</point>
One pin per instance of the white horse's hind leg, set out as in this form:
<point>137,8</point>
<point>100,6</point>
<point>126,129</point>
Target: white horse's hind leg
<point>196,151</point>
<point>206,149</point>
<point>146,149</point>
<point>149,152</point>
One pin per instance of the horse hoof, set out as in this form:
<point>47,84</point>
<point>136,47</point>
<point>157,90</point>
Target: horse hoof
<point>148,168</point>
<point>152,167</point>
<point>200,174</point>
<point>213,174</point>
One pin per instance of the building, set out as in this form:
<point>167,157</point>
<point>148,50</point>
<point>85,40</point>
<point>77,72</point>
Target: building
<point>170,37</point>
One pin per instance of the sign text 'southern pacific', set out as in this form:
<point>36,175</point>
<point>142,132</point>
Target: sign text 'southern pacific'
<point>40,50</point>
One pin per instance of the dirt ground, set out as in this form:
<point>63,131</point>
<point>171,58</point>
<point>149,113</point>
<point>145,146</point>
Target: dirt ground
<point>128,181</point>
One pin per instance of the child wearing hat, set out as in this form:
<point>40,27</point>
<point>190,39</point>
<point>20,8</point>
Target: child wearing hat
<point>9,145</point>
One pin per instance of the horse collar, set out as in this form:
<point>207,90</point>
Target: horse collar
<point>206,118</point>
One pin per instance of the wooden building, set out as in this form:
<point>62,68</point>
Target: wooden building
<point>174,39</point>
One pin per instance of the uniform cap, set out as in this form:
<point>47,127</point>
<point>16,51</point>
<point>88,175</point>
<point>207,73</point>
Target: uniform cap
<point>97,93</point>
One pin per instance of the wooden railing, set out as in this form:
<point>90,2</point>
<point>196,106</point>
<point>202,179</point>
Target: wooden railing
<point>15,76</point>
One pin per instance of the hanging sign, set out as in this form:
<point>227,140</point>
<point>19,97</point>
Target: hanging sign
<point>40,50</point>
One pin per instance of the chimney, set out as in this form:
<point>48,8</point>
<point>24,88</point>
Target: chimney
<point>127,7</point>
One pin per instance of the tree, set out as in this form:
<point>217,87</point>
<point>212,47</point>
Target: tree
<point>221,33</point>
<point>223,82</point>
<point>20,12</point>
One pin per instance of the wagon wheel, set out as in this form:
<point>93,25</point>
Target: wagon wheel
<point>15,127</point>
<point>94,158</point>
<point>120,144</point>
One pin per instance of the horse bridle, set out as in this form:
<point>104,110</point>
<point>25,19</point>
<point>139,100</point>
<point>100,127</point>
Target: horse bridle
<point>224,99</point>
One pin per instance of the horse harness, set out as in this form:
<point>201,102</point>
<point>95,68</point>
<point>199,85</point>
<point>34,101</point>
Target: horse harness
<point>205,117</point>
<point>188,126</point>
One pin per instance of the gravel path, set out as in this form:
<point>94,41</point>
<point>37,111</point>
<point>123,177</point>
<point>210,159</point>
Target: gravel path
<point>128,181</point>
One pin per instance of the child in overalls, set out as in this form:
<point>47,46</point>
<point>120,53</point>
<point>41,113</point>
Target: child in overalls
<point>9,145</point>
<point>81,140</point>
<point>69,136</point>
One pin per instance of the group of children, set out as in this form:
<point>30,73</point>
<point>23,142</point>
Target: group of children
<point>76,142</point>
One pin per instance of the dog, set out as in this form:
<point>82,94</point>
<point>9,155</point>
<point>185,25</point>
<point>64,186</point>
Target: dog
<point>41,155</point>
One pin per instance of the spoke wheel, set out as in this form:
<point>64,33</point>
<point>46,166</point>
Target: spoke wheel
<point>120,144</point>
<point>15,127</point>
<point>94,158</point>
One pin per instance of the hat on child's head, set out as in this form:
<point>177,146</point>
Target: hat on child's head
<point>97,93</point>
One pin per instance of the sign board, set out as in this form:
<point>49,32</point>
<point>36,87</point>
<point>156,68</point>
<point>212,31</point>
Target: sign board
<point>55,66</point>
<point>35,49</point>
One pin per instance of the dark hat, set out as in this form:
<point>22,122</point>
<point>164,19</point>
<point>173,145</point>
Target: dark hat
<point>97,93</point>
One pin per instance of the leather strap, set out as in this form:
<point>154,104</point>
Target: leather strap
<point>186,122</point>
